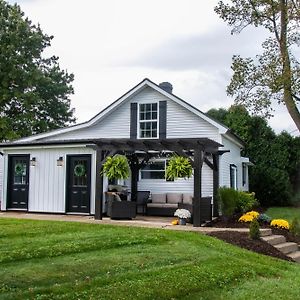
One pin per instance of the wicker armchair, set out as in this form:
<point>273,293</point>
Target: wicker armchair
<point>121,209</point>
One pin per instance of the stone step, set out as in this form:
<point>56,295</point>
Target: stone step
<point>287,248</point>
<point>295,256</point>
<point>265,232</point>
<point>274,239</point>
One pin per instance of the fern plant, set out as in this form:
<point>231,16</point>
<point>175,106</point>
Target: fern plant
<point>116,167</point>
<point>179,167</point>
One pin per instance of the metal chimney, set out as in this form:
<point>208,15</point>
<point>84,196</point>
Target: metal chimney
<point>167,86</point>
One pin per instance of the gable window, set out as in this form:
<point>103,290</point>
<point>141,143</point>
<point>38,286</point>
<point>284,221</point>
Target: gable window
<point>148,120</point>
<point>154,170</point>
<point>233,177</point>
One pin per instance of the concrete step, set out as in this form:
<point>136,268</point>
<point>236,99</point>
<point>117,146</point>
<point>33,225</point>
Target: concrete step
<point>265,232</point>
<point>287,248</point>
<point>295,256</point>
<point>274,239</point>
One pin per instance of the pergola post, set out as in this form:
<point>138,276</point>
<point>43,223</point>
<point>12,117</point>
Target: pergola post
<point>198,162</point>
<point>99,185</point>
<point>134,167</point>
<point>216,162</point>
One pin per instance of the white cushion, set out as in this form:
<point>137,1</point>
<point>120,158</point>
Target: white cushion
<point>174,198</point>
<point>187,199</point>
<point>162,205</point>
<point>159,198</point>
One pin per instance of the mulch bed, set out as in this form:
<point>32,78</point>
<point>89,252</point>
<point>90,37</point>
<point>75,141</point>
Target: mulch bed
<point>243,240</point>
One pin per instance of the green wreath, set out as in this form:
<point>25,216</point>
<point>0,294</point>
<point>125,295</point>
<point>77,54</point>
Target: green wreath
<point>79,170</point>
<point>19,169</point>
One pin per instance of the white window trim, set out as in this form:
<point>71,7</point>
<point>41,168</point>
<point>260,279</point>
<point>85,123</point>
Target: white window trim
<point>156,179</point>
<point>234,168</point>
<point>139,122</point>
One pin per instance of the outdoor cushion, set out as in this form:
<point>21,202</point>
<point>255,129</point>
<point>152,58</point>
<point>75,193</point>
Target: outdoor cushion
<point>162,205</point>
<point>159,198</point>
<point>174,198</point>
<point>187,199</point>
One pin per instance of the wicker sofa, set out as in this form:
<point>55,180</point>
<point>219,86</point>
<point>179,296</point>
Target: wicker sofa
<point>166,204</point>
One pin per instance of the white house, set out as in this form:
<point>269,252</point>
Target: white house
<point>37,172</point>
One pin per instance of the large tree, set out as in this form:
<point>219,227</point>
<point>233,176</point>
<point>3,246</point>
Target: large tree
<point>34,90</point>
<point>274,75</point>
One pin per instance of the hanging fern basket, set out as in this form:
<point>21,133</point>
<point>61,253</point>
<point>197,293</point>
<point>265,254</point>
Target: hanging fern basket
<point>179,167</point>
<point>116,167</point>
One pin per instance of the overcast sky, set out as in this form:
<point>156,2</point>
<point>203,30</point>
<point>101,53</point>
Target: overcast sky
<point>112,45</point>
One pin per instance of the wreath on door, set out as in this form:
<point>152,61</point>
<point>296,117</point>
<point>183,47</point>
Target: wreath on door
<point>19,169</point>
<point>79,170</point>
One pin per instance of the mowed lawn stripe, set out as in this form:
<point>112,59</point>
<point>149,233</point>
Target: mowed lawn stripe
<point>87,261</point>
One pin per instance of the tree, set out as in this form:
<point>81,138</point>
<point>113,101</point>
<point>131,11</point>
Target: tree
<point>276,158</point>
<point>275,74</point>
<point>34,91</point>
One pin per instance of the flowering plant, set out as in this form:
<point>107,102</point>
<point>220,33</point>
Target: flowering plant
<point>280,223</point>
<point>249,216</point>
<point>182,213</point>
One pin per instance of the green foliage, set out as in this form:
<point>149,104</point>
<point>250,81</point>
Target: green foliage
<point>295,226</point>
<point>264,219</point>
<point>245,202</point>
<point>254,232</point>
<point>273,75</point>
<point>34,91</point>
<point>276,158</point>
<point>179,167</point>
<point>116,167</point>
<point>227,198</point>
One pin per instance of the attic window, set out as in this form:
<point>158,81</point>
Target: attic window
<point>148,120</point>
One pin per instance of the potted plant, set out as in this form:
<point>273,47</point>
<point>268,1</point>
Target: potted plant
<point>179,167</point>
<point>116,167</point>
<point>183,215</point>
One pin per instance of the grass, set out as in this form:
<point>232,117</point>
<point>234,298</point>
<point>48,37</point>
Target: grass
<point>62,260</point>
<point>287,213</point>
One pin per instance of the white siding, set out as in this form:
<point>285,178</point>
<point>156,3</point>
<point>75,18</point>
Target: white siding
<point>47,181</point>
<point>180,121</point>
<point>232,157</point>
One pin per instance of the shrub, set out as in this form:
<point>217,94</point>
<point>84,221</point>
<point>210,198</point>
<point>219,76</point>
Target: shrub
<point>227,198</point>
<point>254,230</point>
<point>246,202</point>
<point>295,227</point>
<point>264,218</point>
<point>249,216</point>
<point>280,223</point>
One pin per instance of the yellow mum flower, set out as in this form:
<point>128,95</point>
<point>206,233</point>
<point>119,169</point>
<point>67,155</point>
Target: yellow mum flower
<point>280,223</point>
<point>249,216</point>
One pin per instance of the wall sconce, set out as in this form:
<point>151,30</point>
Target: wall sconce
<point>33,162</point>
<point>60,161</point>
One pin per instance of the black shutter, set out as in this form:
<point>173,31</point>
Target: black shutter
<point>162,119</point>
<point>133,120</point>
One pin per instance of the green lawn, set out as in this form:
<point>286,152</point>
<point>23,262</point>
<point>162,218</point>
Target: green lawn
<point>62,260</point>
<point>287,213</point>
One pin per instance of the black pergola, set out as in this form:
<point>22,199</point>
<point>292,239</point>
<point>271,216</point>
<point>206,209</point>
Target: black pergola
<point>139,151</point>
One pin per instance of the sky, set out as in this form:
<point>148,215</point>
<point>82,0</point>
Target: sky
<point>112,45</point>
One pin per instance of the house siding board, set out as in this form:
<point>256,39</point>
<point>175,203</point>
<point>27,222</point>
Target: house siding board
<point>47,181</point>
<point>1,179</point>
<point>180,121</point>
<point>232,157</point>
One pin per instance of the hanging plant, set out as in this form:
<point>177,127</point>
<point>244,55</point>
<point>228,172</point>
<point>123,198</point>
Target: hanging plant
<point>79,170</point>
<point>116,167</point>
<point>179,167</point>
<point>19,169</point>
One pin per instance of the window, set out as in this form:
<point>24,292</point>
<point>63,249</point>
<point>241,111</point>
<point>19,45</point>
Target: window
<point>233,177</point>
<point>154,170</point>
<point>148,120</point>
<point>244,174</point>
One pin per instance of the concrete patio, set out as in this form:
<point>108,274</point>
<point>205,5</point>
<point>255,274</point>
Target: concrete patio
<point>139,221</point>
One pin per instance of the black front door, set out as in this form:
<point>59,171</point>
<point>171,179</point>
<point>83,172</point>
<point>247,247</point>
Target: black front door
<point>18,181</point>
<point>78,183</point>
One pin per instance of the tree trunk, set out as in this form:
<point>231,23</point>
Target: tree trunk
<point>286,66</point>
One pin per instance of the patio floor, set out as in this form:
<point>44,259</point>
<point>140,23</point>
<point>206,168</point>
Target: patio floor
<point>139,221</point>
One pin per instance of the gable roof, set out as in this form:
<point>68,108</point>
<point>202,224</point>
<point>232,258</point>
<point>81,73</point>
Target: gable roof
<point>136,89</point>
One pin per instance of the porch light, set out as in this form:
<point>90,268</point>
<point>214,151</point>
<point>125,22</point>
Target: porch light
<point>33,162</point>
<point>60,161</point>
